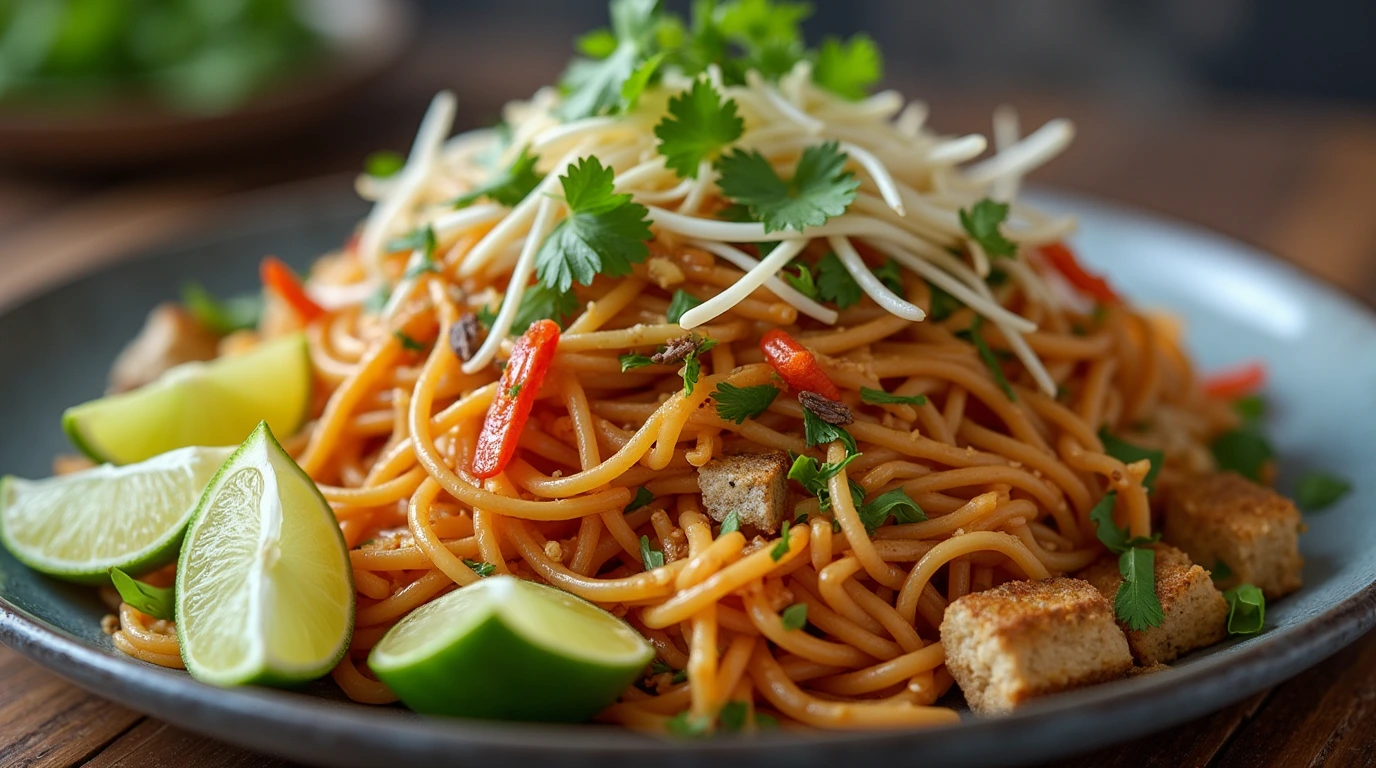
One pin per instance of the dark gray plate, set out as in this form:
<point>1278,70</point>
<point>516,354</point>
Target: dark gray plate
<point>1238,305</point>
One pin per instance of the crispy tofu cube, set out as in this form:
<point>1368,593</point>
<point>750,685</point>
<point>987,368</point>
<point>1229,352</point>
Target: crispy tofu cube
<point>754,486</point>
<point>1025,639</point>
<point>1194,611</point>
<point>1250,528</point>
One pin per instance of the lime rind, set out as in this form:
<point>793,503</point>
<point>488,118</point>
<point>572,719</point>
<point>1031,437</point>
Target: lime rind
<point>213,403</point>
<point>231,582</point>
<point>77,527</point>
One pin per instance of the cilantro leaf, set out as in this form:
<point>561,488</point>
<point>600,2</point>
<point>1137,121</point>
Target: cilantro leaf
<point>223,316</point>
<point>991,361</point>
<point>408,343</point>
<point>794,617</point>
<point>820,187</point>
<point>777,553</point>
<point>730,524</point>
<point>1244,451</point>
<point>692,366</point>
<point>479,567</point>
<point>632,361</point>
<point>817,432</point>
<point>1252,408</point>
<point>736,404</point>
<point>943,304</point>
<point>880,397</point>
<point>509,187</point>
<point>383,164</point>
<point>1220,571</point>
<point>538,302</point>
<point>835,284</point>
<point>686,725</point>
<point>154,601</point>
<point>652,558</point>
<point>1127,453</point>
<point>848,69</point>
<point>1118,540</point>
<point>732,715</point>
<point>813,476</point>
<point>680,303</point>
<point>891,275</point>
<point>896,503</point>
<point>699,125</point>
<point>643,496</point>
<point>639,80</point>
<point>605,233</point>
<point>758,23</point>
<point>421,239</point>
<point>594,86</point>
<point>982,223</point>
<point>1317,490</point>
<point>1246,610</point>
<point>802,282</point>
<point>1136,603</point>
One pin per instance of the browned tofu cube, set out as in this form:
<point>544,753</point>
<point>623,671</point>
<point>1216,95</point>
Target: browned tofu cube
<point>1025,639</point>
<point>754,486</point>
<point>1194,613</point>
<point>1254,531</point>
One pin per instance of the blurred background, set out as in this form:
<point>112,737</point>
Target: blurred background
<point>1219,111</point>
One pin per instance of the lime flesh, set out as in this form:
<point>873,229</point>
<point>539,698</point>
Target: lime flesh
<point>79,526</point>
<point>511,650</point>
<point>215,403</point>
<point>264,588</point>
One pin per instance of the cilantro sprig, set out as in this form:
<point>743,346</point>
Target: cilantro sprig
<point>814,475</point>
<point>605,233</point>
<point>510,186</point>
<point>982,222</point>
<point>817,432</point>
<point>1136,603</point>
<point>594,86</point>
<point>850,68</point>
<point>896,504</point>
<point>699,125</point>
<point>821,187</point>
<point>736,404</point>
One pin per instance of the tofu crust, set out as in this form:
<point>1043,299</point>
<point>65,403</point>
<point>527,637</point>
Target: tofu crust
<point>1194,611</point>
<point>1026,639</point>
<point>1252,529</point>
<point>754,486</point>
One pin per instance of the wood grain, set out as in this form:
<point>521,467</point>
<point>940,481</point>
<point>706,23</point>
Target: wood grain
<point>45,721</point>
<point>152,744</point>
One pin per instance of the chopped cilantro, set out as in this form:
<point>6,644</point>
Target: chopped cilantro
<point>1243,450</point>
<point>891,275</point>
<point>1252,408</point>
<point>794,616</point>
<point>479,567</point>
<point>383,164</point>
<point>605,233</point>
<point>1116,539</point>
<point>1220,571</point>
<point>1317,490</point>
<point>538,302</point>
<point>421,239</point>
<point>880,397</point>
<point>736,404</point>
<point>817,432</point>
<point>835,283</point>
<point>514,389</point>
<point>154,601</point>
<point>813,476</point>
<point>1136,603</point>
<point>765,722</point>
<point>943,304</point>
<point>802,282</point>
<point>688,726</point>
<point>692,366</point>
<point>409,344</point>
<point>732,716</point>
<point>699,125</point>
<point>643,496</point>
<point>680,303</point>
<point>1128,453</point>
<point>849,69</point>
<point>631,361</point>
<point>820,187</point>
<point>223,316</point>
<point>896,503</point>
<point>780,549</point>
<point>982,222</point>
<point>991,361</point>
<point>509,187</point>
<point>1246,610</point>
<point>731,524</point>
<point>652,558</point>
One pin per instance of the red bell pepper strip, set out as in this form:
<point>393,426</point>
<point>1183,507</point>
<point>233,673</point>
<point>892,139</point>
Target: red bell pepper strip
<point>1063,260</point>
<point>520,383</point>
<point>279,279</point>
<point>796,364</point>
<point>1236,382</point>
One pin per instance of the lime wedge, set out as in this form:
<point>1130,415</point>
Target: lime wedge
<point>264,589</point>
<point>79,526</point>
<point>215,403</point>
<point>511,650</point>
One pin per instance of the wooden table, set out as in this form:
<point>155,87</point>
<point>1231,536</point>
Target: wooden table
<point>1299,183</point>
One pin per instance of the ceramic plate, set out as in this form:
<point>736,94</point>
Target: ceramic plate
<point>1238,304</point>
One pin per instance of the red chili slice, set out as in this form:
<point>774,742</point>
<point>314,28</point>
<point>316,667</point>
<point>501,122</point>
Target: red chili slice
<point>1092,285</point>
<point>279,279</point>
<point>520,383</point>
<point>796,364</point>
<point>1237,382</point>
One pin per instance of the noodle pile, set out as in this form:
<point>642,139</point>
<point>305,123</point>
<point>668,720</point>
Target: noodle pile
<point>1006,481</point>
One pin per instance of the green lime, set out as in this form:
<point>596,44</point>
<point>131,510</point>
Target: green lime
<point>214,403</point>
<point>81,525</point>
<point>265,593</point>
<point>511,650</point>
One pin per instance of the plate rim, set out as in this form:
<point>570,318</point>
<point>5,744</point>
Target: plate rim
<point>290,724</point>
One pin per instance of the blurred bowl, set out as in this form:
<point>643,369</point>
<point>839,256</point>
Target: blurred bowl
<point>361,40</point>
